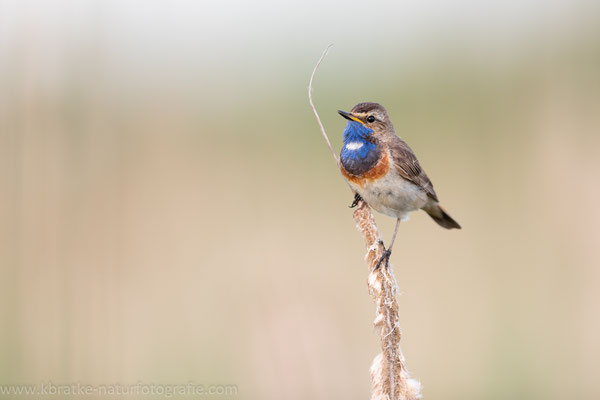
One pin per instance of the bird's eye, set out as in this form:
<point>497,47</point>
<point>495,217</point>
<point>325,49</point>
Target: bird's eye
<point>370,118</point>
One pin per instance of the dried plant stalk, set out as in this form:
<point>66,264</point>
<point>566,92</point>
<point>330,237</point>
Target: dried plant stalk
<point>389,378</point>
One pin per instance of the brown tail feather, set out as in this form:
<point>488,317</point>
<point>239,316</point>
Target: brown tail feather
<point>440,216</point>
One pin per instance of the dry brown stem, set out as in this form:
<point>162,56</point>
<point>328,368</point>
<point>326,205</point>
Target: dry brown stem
<point>310,100</point>
<point>389,378</point>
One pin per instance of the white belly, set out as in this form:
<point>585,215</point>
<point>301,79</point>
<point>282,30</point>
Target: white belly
<point>392,195</point>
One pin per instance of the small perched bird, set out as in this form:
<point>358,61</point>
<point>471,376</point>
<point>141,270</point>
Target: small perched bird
<point>383,171</point>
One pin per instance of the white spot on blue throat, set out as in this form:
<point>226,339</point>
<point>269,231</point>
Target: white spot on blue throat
<point>354,145</point>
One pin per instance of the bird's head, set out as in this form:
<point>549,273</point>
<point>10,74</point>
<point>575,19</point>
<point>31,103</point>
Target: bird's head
<point>372,115</point>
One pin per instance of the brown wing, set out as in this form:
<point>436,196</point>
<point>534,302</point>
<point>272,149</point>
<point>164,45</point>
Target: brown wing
<point>408,167</point>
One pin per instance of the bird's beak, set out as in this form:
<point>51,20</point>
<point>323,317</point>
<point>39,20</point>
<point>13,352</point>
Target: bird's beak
<point>349,116</point>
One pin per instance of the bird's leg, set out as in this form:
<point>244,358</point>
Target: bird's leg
<point>357,199</point>
<point>387,252</point>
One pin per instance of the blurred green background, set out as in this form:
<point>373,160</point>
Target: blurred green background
<point>170,213</point>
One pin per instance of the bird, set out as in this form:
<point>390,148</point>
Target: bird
<point>383,170</point>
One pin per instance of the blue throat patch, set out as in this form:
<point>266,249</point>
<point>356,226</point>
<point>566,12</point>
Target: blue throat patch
<point>356,146</point>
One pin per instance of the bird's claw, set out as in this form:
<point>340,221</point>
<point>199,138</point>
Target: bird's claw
<point>357,199</point>
<point>386,256</point>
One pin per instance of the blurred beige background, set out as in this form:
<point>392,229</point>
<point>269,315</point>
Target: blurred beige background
<point>170,213</point>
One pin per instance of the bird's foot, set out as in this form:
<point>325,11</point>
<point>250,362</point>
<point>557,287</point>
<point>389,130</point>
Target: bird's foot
<point>357,199</point>
<point>385,257</point>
